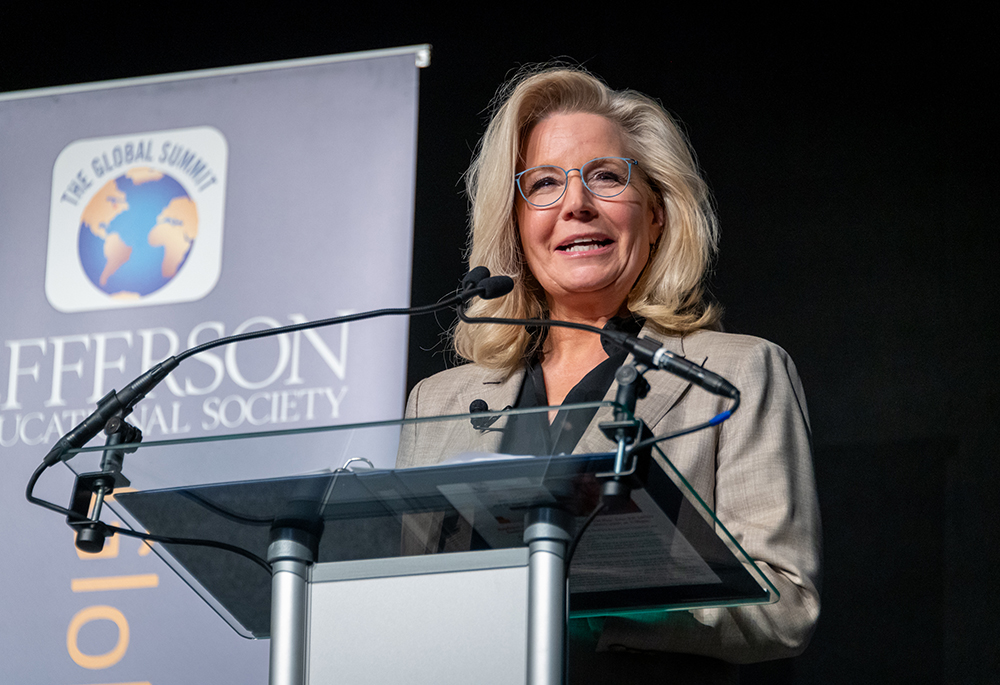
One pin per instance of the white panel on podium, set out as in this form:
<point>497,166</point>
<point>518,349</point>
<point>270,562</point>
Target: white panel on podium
<point>427,620</point>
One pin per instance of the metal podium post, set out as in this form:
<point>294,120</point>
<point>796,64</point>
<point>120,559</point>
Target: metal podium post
<point>547,532</point>
<point>291,552</point>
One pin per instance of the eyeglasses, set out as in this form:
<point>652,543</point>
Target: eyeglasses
<point>542,186</point>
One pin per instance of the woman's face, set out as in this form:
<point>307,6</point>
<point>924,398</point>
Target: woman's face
<point>585,251</point>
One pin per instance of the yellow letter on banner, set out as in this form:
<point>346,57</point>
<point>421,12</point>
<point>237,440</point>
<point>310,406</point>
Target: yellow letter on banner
<point>96,613</point>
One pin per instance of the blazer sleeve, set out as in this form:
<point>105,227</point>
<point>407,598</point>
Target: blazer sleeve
<point>405,456</point>
<point>764,494</point>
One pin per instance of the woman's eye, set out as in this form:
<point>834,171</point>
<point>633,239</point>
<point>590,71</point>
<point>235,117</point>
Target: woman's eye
<point>542,184</point>
<point>607,176</point>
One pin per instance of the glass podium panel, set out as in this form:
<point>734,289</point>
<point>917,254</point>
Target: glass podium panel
<point>655,546</point>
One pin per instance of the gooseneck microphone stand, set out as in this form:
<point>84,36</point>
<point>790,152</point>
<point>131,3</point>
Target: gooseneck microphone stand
<point>112,410</point>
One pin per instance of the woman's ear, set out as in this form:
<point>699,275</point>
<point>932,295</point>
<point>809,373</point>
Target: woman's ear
<point>659,223</point>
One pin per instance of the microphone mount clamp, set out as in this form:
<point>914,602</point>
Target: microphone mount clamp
<point>625,429</point>
<point>95,487</point>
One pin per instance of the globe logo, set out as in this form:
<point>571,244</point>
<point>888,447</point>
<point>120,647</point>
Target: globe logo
<point>136,233</point>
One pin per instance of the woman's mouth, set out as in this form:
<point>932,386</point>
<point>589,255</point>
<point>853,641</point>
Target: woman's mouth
<point>584,244</point>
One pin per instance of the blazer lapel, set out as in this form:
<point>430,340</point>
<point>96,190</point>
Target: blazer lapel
<point>666,389</point>
<point>497,389</point>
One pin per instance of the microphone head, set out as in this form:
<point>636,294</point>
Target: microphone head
<point>475,277</point>
<point>496,286</point>
<point>478,405</point>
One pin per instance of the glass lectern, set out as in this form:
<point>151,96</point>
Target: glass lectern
<point>384,564</point>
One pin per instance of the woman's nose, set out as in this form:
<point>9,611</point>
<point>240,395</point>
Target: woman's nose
<point>577,197</point>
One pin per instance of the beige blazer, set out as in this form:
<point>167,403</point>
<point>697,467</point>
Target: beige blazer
<point>755,471</point>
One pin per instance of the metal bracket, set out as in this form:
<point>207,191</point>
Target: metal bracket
<point>630,426</point>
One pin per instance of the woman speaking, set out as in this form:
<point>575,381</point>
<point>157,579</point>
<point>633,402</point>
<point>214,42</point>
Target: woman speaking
<point>591,200</point>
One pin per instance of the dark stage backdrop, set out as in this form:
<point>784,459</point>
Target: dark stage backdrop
<point>854,166</point>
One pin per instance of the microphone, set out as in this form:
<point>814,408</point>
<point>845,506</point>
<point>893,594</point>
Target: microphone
<point>479,282</point>
<point>482,423</point>
<point>112,404</point>
<point>474,277</point>
<point>495,286</point>
<point>651,352</point>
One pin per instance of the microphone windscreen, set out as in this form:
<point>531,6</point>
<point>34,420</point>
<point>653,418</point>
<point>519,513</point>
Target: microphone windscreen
<point>474,277</point>
<point>478,405</point>
<point>496,286</point>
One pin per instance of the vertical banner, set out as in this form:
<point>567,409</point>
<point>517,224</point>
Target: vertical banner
<point>139,218</point>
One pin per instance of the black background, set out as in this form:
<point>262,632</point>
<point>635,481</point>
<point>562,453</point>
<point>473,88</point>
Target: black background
<point>853,161</point>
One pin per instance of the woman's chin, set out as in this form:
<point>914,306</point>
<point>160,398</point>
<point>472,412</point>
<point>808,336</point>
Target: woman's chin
<point>602,293</point>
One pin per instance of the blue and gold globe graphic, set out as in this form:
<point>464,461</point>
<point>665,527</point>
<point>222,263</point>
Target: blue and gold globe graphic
<point>137,232</point>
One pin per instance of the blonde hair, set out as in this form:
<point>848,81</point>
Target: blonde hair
<point>670,292</point>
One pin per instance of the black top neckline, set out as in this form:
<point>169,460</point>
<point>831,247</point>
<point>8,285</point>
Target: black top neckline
<point>532,433</point>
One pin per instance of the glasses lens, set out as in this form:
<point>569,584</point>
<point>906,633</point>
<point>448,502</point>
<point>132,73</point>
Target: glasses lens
<point>606,176</point>
<point>542,185</point>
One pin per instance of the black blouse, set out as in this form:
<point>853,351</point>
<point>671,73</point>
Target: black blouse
<point>532,433</point>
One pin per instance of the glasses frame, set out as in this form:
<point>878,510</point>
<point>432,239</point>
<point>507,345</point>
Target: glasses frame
<point>628,161</point>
